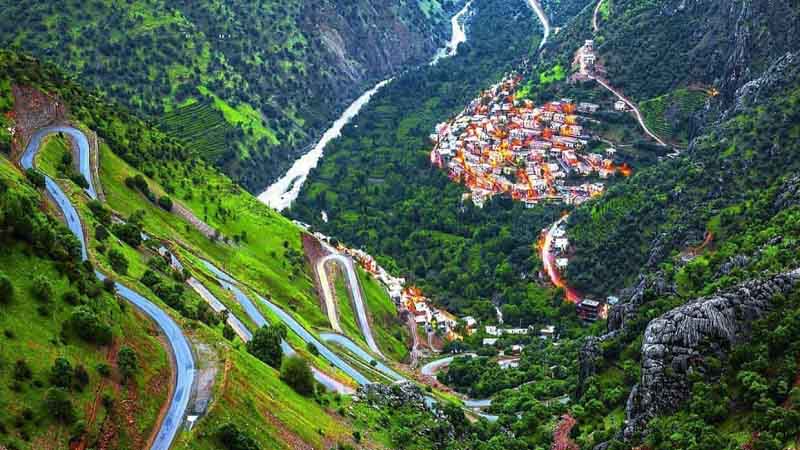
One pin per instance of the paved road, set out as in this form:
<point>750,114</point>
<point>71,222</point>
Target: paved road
<point>537,8</point>
<point>346,263</point>
<point>255,315</point>
<point>363,355</point>
<point>238,327</point>
<point>78,139</point>
<point>327,294</point>
<point>179,345</point>
<point>548,261</point>
<point>595,23</point>
<point>436,365</point>
<point>633,107</point>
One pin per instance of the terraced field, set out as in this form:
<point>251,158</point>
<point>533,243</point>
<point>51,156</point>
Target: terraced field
<point>202,127</point>
<point>669,115</point>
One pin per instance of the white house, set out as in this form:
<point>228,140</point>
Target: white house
<point>619,105</point>
<point>562,263</point>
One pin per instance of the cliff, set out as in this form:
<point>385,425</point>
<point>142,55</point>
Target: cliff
<point>676,343</point>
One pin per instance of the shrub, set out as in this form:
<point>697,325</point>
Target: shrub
<point>81,377</point>
<point>234,439</point>
<point>165,202</point>
<point>118,261</point>
<point>58,404</point>
<point>71,298</point>
<point>266,345</point>
<point>42,289</point>
<point>35,177</point>
<point>61,373</point>
<point>127,362</point>
<point>22,371</point>
<point>296,372</point>
<point>6,289</point>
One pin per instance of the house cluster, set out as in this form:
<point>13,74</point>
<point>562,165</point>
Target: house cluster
<point>495,332</point>
<point>425,313</point>
<point>500,145</point>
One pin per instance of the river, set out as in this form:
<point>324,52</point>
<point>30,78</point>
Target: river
<point>280,194</point>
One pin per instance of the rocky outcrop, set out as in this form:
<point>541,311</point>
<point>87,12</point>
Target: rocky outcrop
<point>784,71</point>
<point>588,356</point>
<point>392,395</point>
<point>653,284</point>
<point>676,343</point>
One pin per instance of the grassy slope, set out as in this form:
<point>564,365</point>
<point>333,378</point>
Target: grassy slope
<point>390,334</point>
<point>37,339</point>
<point>252,396</point>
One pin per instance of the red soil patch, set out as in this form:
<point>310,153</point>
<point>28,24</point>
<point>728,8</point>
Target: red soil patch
<point>561,439</point>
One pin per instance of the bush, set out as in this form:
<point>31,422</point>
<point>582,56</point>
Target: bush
<point>228,332</point>
<point>61,373</point>
<point>42,289</point>
<point>165,202</point>
<point>88,326</point>
<point>35,177</point>
<point>232,438</point>
<point>149,278</point>
<point>118,261</point>
<point>22,371</point>
<point>81,377</point>
<point>266,344</point>
<point>58,404</point>
<point>296,372</point>
<point>6,289</point>
<point>127,362</point>
<point>71,298</point>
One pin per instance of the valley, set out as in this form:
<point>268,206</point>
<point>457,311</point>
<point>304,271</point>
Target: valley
<point>487,224</point>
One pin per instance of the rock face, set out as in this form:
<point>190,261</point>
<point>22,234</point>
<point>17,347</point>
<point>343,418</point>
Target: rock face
<point>676,343</point>
<point>395,395</point>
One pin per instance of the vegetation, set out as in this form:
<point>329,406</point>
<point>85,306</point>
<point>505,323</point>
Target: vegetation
<point>266,344</point>
<point>260,70</point>
<point>456,253</point>
<point>296,372</point>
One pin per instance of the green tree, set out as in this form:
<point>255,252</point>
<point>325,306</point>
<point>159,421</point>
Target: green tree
<point>127,362</point>
<point>61,373</point>
<point>296,372</point>
<point>6,289</point>
<point>266,344</point>
<point>42,289</point>
<point>58,404</point>
<point>118,261</point>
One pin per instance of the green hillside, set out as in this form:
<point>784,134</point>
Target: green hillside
<point>266,60</point>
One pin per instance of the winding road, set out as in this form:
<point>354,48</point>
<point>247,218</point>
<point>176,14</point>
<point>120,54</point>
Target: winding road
<point>595,22</point>
<point>548,261</point>
<point>178,344</point>
<point>347,266</point>
<point>259,320</point>
<point>633,108</point>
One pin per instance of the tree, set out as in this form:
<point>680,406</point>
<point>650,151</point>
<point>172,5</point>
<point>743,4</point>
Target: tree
<point>228,332</point>
<point>165,202</point>
<point>266,344</point>
<point>42,289</point>
<point>118,261</point>
<point>89,326</point>
<point>234,439</point>
<point>6,289</point>
<point>58,404</point>
<point>296,372</point>
<point>61,373</point>
<point>35,177</point>
<point>127,362</point>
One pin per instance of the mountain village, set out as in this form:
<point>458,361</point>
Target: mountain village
<point>501,145</point>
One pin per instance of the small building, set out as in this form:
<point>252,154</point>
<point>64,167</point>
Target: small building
<point>562,263</point>
<point>491,330</point>
<point>562,244</point>
<point>619,105</point>
<point>588,310</point>
<point>548,332</point>
<point>489,341</point>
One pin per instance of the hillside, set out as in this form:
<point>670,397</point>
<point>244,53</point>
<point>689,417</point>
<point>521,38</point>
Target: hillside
<point>277,71</point>
<point>126,234</point>
<point>390,200</point>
